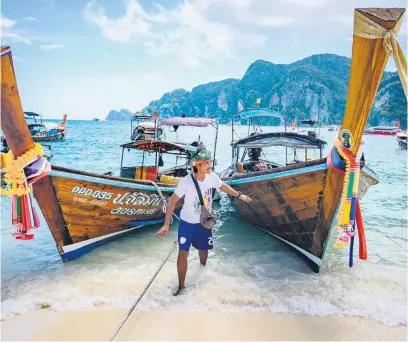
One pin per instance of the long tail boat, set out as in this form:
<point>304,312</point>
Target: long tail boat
<point>297,202</point>
<point>144,127</point>
<point>402,139</point>
<point>83,210</point>
<point>41,132</point>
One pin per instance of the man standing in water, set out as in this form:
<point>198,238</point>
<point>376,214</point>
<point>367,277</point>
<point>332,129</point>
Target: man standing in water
<point>190,231</point>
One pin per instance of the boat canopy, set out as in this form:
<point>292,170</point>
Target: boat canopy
<point>32,114</point>
<point>286,139</point>
<point>252,113</point>
<point>142,116</point>
<point>161,146</point>
<point>187,121</point>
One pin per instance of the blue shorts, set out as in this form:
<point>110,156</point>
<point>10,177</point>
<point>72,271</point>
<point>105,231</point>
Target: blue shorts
<point>194,234</point>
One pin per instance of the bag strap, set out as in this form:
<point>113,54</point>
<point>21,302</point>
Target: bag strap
<point>198,189</point>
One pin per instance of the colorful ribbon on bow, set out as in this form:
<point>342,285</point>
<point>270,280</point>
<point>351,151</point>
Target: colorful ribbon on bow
<point>349,212</point>
<point>21,173</point>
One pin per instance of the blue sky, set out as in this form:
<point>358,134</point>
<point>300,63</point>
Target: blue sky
<point>86,57</point>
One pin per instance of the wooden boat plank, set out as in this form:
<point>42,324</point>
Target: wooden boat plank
<point>87,218</point>
<point>280,169</point>
<point>299,180</point>
<point>279,209</point>
<point>84,232</point>
<point>268,192</point>
<point>113,178</point>
<point>83,211</point>
<point>44,193</point>
<point>303,238</point>
<point>68,184</point>
<point>86,202</point>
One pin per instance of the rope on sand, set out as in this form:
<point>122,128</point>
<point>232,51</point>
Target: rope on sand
<point>141,295</point>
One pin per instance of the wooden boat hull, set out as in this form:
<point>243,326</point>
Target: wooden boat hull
<point>379,132</point>
<point>288,204</point>
<point>49,137</point>
<point>402,144</point>
<point>85,210</point>
<point>402,140</point>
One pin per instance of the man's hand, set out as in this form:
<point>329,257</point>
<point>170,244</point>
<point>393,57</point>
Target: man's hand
<point>163,231</point>
<point>245,198</point>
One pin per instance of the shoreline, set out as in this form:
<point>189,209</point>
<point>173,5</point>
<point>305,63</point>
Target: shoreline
<point>98,324</point>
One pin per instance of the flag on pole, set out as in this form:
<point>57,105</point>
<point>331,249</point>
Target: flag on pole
<point>240,106</point>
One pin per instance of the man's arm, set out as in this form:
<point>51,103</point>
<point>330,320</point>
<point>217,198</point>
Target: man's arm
<point>170,208</point>
<point>230,191</point>
<point>169,212</point>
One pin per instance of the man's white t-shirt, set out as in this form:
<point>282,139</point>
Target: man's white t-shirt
<point>191,208</point>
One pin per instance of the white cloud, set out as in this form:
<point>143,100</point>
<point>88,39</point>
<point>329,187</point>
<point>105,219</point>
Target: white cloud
<point>151,77</point>
<point>266,20</point>
<point>309,3</point>
<point>132,24</point>
<point>31,19</point>
<point>7,31</point>
<point>118,80</point>
<point>200,31</point>
<point>343,19</point>
<point>186,30</point>
<point>51,46</point>
<point>235,3</point>
<point>6,23</point>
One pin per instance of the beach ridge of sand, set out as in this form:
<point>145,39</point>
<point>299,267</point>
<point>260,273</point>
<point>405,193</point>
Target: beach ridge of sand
<point>98,324</point>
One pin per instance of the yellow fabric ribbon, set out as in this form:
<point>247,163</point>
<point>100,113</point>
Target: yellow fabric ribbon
<point>14,176</point>
<point>366,28</point>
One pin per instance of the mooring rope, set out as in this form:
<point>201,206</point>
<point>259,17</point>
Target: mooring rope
<point>141,295</point>
<point>157,272</point>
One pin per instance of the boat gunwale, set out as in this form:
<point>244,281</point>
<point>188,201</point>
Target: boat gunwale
<point>111,178</point>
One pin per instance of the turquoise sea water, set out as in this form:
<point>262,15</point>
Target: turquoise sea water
<point>247,269</point>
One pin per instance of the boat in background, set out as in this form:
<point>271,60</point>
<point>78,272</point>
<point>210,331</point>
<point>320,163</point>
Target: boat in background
<point>333,128</point>
<point>402,139</point>
<point>145,127</point>
<point>95,119</point>
<point>384,130</point>
<point>41,131</point>
<point>297,202</point>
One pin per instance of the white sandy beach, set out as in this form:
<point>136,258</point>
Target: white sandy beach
<point>99,324</point>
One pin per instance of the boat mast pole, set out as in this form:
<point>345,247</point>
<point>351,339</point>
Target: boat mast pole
<point>155,114</point>
<point>215,146</point>
<point>368,61</point>
<point>13,124</point>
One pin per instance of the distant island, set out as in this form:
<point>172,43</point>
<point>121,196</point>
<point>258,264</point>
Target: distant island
<point>315,87</point>
<point>122,115</point>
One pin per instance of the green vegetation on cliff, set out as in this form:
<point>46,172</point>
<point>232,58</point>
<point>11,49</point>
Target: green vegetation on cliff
<point>315,87</point>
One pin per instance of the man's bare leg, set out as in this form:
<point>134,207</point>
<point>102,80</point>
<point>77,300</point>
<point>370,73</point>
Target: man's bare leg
<point>203,257</point>
<point>181,270</point>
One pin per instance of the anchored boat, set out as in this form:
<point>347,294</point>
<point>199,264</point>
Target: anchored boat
<point>84,210</point>
<point>145,127</point>
<point>297,202</point>
<point>402,139</point>
<point>45,132</point>
<point>383,130</point>
<point>287,195</point>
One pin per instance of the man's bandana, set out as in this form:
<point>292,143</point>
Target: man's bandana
<point>200,157</point>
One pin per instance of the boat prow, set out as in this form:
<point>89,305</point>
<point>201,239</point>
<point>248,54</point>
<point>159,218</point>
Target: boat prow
<point>302,201</point>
